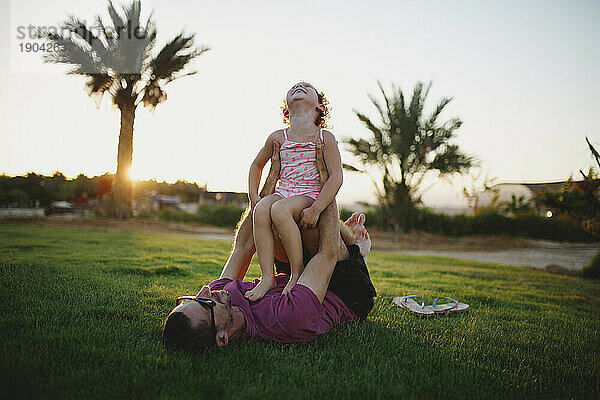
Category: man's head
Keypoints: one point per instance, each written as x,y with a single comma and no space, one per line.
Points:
190,325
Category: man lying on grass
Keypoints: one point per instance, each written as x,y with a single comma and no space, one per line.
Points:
334,288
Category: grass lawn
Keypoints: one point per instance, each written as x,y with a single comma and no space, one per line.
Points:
81,314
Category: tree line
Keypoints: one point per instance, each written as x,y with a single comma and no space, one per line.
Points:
35,189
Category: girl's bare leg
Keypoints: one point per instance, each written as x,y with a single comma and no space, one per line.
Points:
265,246
285,215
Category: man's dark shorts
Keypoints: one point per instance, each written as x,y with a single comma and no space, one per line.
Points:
350,281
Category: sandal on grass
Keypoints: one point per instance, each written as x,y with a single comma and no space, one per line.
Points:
408,303
453,307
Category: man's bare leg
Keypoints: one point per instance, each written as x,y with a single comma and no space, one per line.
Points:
310,237
243,249
243,239
317,274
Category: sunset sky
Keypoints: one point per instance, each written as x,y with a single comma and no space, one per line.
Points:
525,77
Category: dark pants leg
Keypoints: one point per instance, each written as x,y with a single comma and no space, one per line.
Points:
350,281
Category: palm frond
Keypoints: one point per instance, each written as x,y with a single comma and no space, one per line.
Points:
383,113
133,41
72,52
117,20
152,33
97,85
351,168
451,161
174,56
415,103
436,113
385,96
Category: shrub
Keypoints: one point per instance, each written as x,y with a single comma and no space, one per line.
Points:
490,221
592,270
170,214
226,215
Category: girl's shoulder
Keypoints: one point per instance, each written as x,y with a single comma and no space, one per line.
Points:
276,136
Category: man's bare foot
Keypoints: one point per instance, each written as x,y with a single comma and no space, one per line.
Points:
356,225
364,243
291,283
260,289
352,220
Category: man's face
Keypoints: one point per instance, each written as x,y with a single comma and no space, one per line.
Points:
197,312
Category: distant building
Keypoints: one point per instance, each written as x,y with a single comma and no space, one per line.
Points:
160,202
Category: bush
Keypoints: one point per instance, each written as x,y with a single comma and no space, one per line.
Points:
226,215
490,222
592,270
170,214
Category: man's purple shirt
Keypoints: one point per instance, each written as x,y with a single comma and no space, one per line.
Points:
298,316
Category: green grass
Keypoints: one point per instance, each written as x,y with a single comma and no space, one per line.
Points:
81,315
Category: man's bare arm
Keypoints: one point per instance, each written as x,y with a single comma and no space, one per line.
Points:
243,242
269,186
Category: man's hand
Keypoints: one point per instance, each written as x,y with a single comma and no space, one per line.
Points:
254,199
321,166
269,186
309,218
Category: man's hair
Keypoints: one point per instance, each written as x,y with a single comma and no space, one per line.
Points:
178,333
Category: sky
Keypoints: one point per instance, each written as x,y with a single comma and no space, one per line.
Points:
523,76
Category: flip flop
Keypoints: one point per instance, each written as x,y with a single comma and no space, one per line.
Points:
453,307
407,303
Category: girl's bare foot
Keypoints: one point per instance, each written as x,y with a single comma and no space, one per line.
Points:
260,289
291,283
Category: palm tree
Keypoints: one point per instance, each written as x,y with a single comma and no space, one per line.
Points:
120,61
406,145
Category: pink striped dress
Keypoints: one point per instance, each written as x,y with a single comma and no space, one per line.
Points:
299,174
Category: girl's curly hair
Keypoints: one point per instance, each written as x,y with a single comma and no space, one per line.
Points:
322,118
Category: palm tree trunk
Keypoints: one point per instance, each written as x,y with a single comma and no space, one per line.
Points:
122,187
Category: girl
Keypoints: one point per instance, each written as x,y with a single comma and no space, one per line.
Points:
298,195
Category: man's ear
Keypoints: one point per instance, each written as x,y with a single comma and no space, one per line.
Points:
222,338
